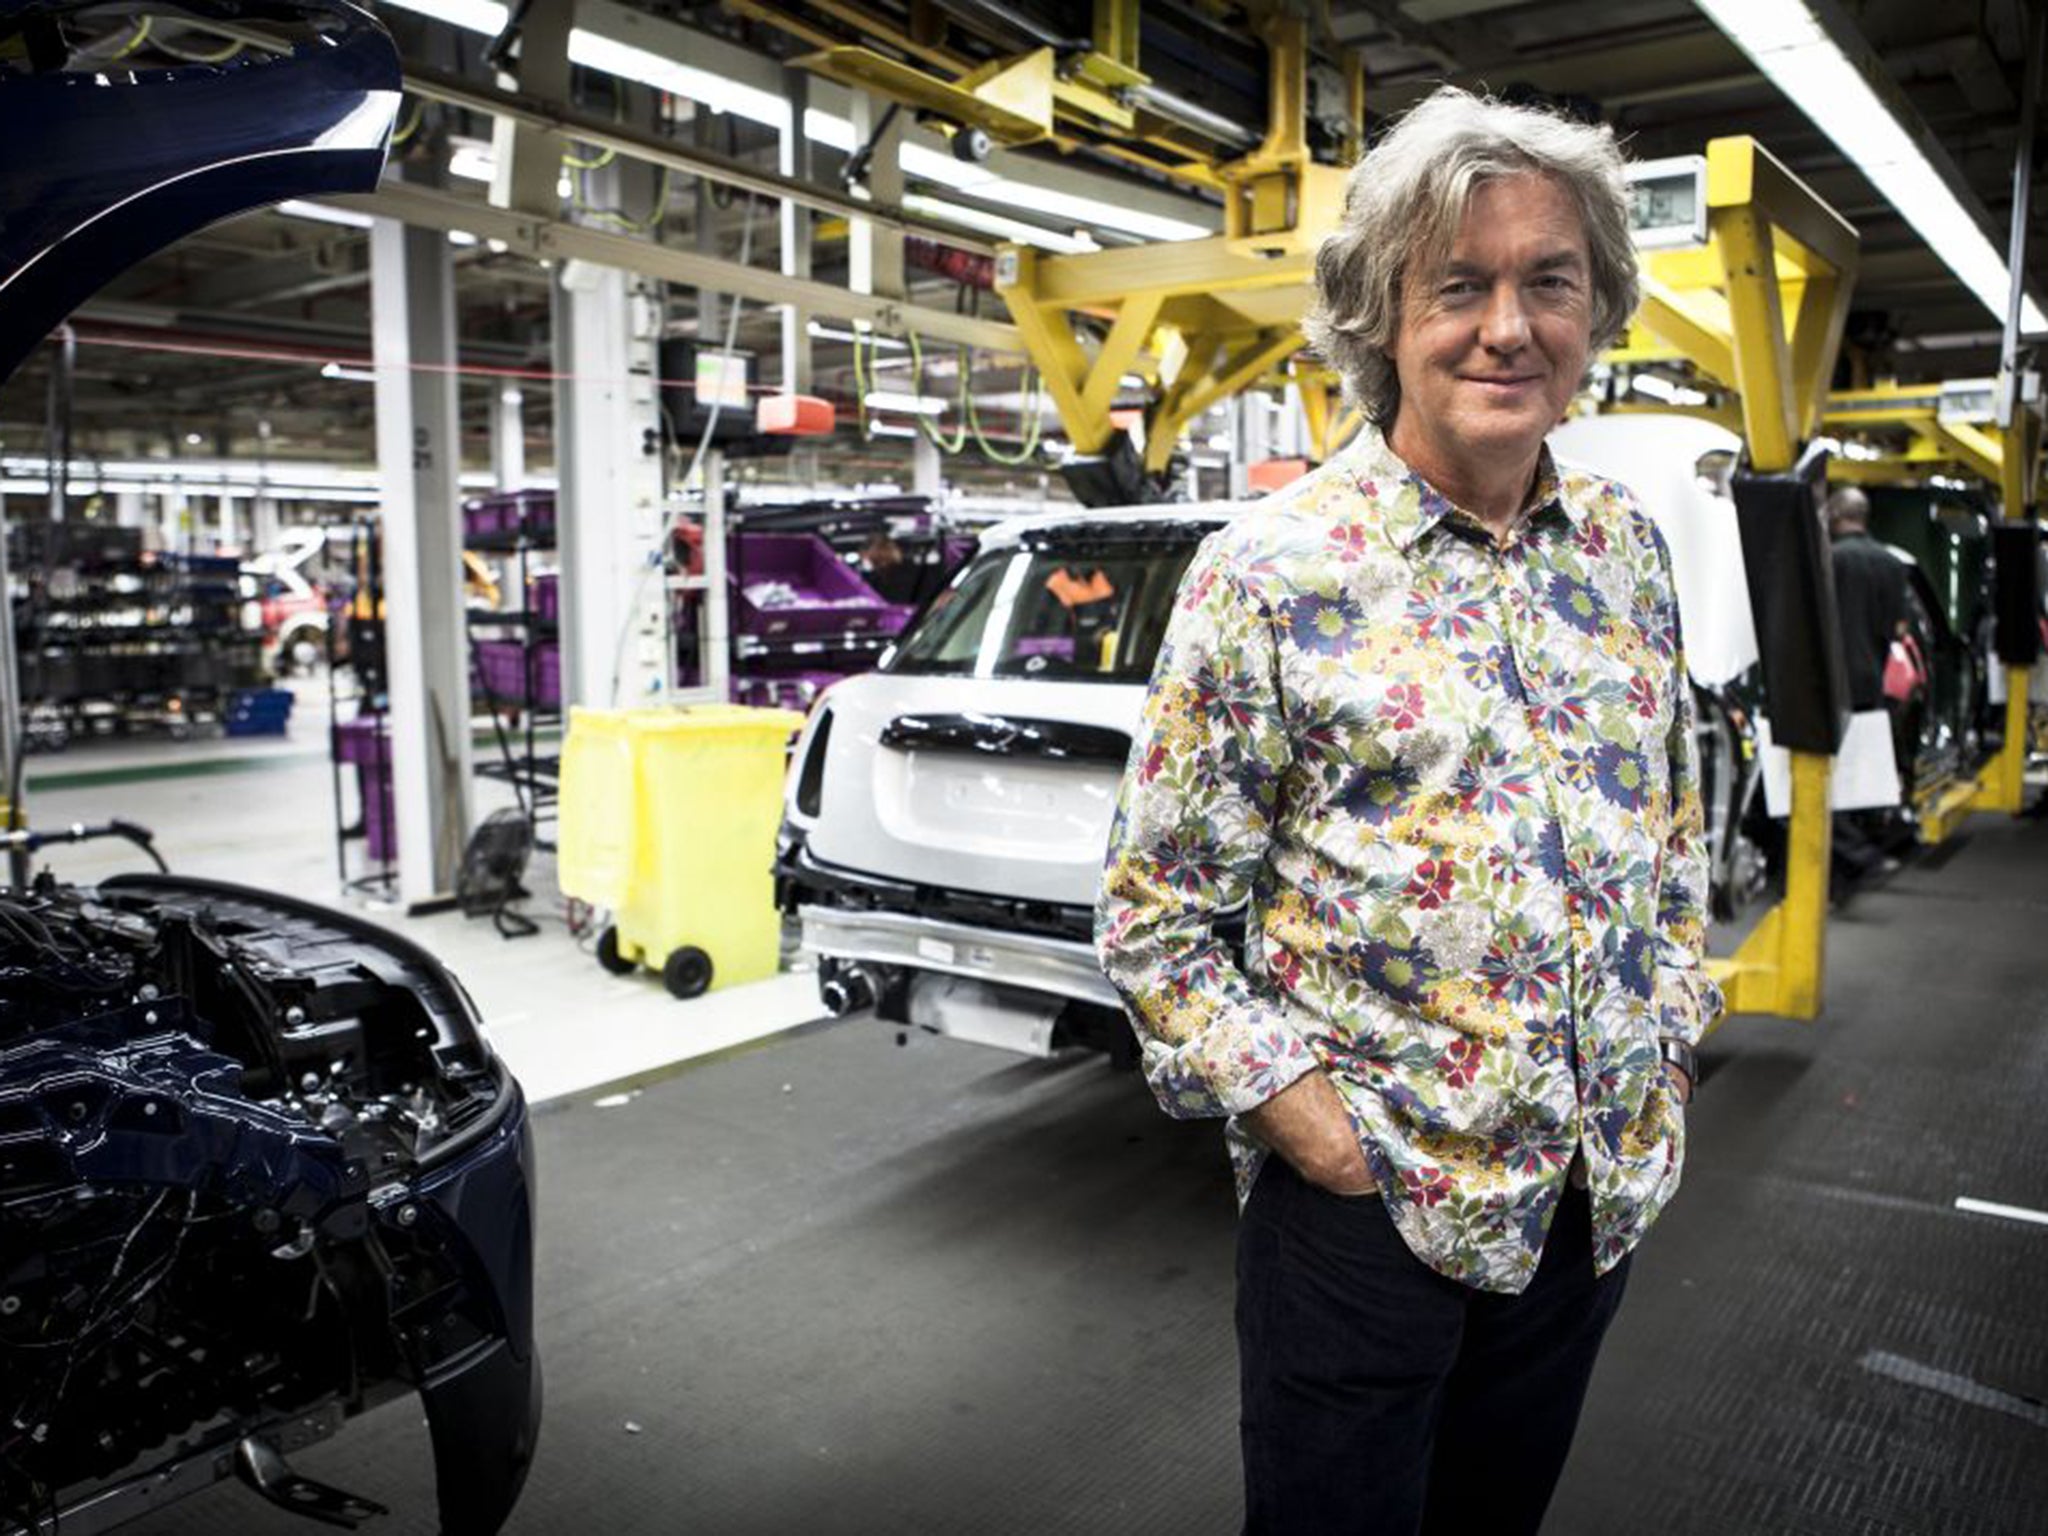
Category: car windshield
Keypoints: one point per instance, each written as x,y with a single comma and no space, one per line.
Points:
1080,611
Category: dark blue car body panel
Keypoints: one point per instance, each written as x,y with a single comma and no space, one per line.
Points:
103,166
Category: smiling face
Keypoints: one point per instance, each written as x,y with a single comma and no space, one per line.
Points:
1494,342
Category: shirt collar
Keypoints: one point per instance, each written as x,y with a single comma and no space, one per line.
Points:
1382,475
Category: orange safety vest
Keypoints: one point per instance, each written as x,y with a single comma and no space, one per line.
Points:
1073,591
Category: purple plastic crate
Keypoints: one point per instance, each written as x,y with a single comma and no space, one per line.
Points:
362,740
380,821
796,584
505,513
547,598
502,670
783,690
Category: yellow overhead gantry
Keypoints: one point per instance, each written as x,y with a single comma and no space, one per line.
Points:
1759,310
1211,316
1226,309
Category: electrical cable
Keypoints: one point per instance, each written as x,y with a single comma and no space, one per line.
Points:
659,564
141,36
200,58
932,434
1033,413
419,110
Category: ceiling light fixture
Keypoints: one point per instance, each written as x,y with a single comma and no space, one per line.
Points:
1657,387
1803,57
830,333
298,209
895,400
595,51
995,224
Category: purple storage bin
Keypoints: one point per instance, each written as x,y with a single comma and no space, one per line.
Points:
783,690
380,821
504,514
362,740
796,584
547,598
502,672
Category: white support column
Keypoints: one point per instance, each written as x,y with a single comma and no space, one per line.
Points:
609,508
716,627
412,302
508,438
926,475
793,158
175,529
875,256
130,511
263,521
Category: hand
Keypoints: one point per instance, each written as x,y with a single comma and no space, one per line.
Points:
1307,1124
1681,1085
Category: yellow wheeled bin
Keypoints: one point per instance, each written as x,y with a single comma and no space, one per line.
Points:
668,818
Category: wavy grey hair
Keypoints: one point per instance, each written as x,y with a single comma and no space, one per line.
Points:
1402,209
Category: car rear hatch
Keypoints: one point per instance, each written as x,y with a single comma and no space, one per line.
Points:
991,788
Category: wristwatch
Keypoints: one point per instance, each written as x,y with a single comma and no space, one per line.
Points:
1677,1053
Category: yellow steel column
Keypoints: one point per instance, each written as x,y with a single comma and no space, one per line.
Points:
1057,355
1779,969
2003,785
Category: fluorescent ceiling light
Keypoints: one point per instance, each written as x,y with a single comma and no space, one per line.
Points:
1659,388
461,237
1941,341
894,400
827,333
472,161
298,209
1796,53
1087,210
889,429
829,129
995,224
940,166
355,375
700,85
720,94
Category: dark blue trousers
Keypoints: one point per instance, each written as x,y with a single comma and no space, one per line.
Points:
1381,1399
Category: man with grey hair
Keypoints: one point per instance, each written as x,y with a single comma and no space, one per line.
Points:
1424,713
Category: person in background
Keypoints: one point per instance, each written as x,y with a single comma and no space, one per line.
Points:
1875,606
1425,712
884,568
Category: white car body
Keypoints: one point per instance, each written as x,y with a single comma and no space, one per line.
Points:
944,840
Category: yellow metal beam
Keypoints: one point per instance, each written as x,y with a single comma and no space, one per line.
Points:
1696,325
1011,99
1944,806
1101,279
1231,364
1120,349
1742,173
1763,361
1781,966
2003,785
1049,338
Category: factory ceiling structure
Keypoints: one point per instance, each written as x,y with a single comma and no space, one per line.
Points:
251,340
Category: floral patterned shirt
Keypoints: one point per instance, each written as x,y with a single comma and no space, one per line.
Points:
1455,787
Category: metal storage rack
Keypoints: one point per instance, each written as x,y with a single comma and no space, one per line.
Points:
515,653
114,640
